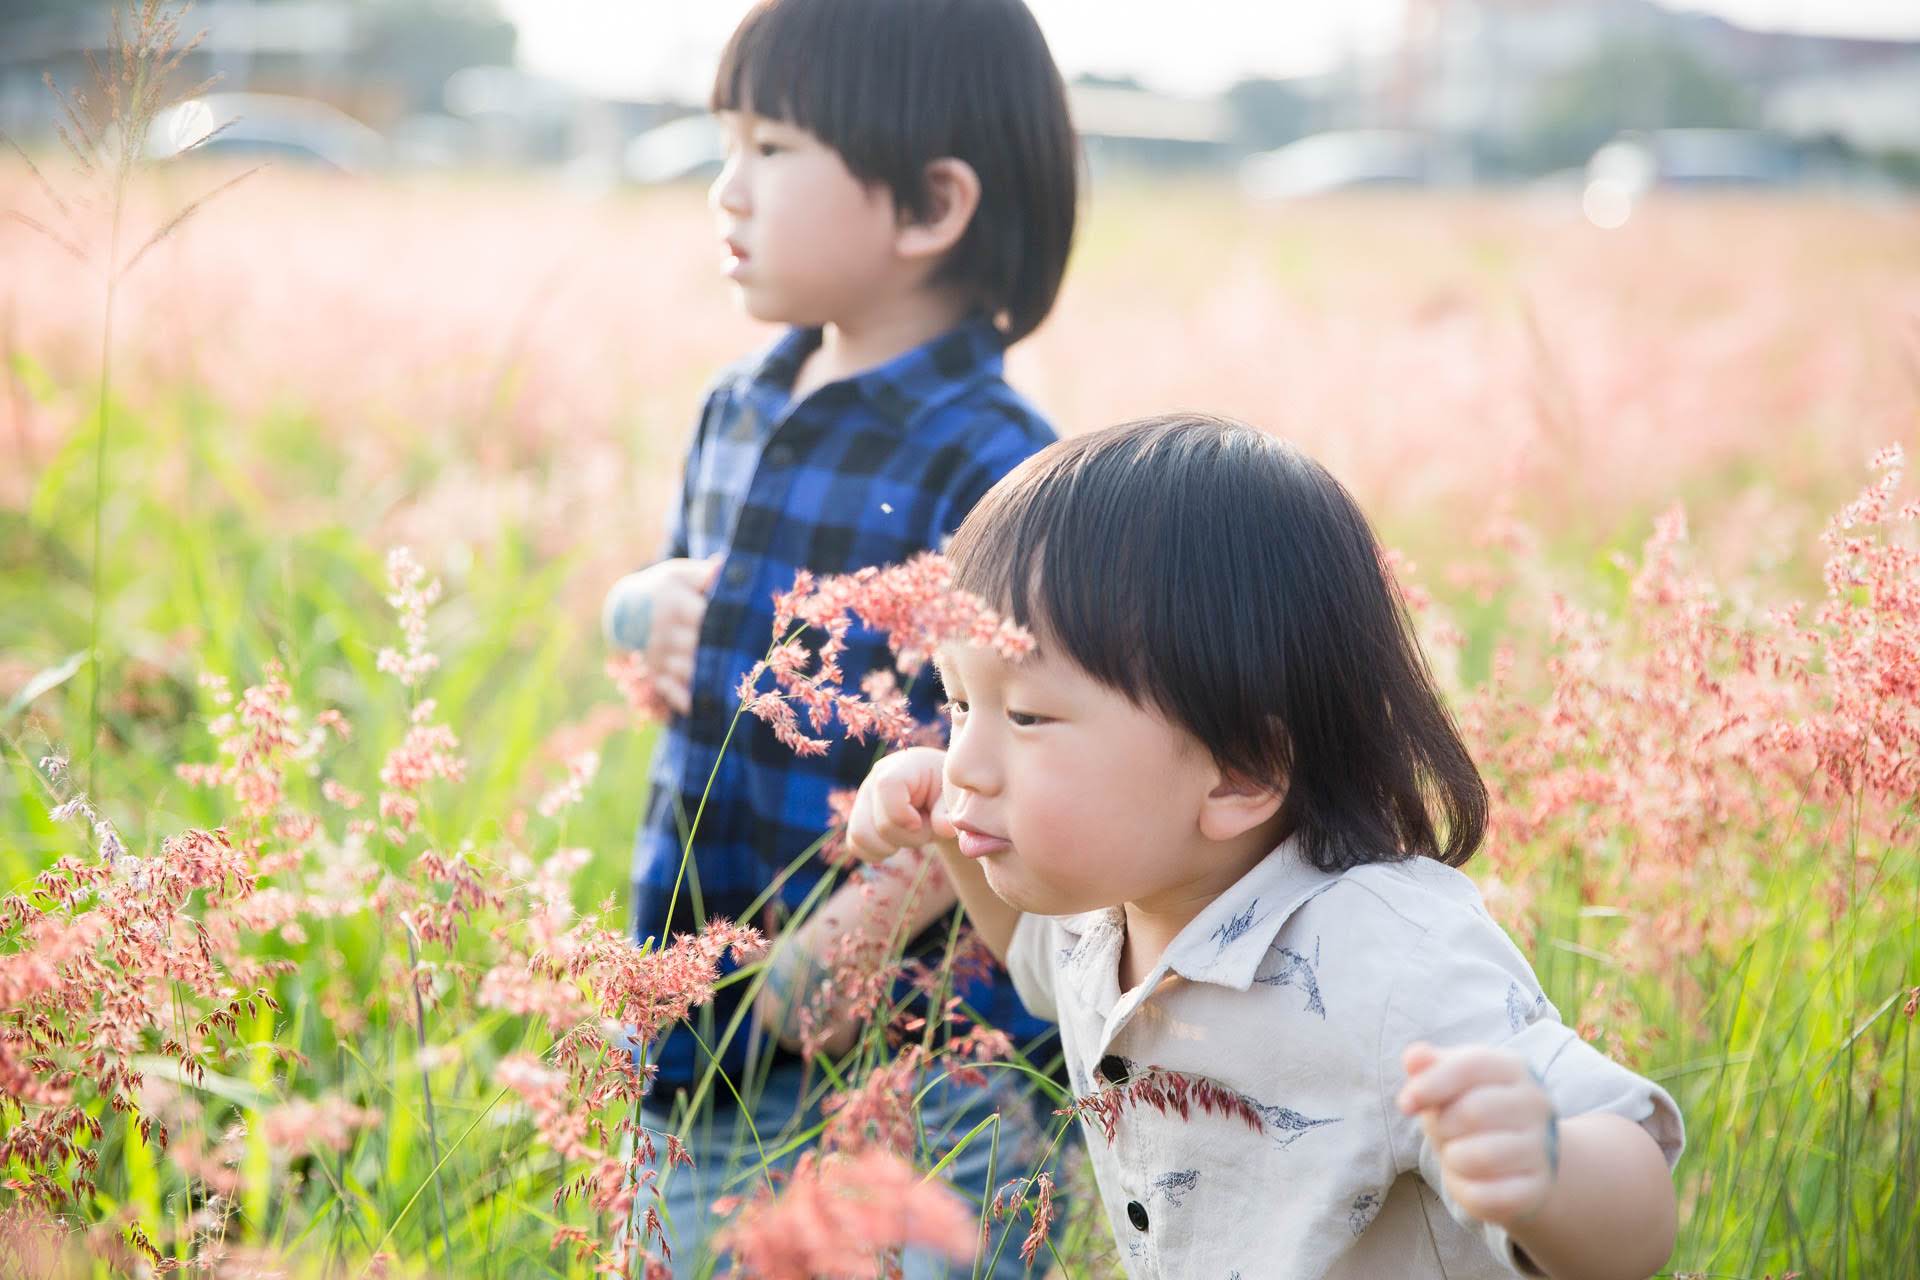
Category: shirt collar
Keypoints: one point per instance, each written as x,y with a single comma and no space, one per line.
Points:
906,388
1226,943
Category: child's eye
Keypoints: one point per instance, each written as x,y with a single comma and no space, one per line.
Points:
1024,719
767,149
954,707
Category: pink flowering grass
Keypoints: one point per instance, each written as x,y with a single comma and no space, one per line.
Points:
239,1024
325,971
131,982
917,608
837,1215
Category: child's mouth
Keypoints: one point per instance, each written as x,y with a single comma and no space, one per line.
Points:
976,845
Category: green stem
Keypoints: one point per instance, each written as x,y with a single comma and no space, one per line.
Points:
433,1176
100,498
426,1089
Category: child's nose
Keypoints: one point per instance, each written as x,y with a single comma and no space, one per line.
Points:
728,194
969,763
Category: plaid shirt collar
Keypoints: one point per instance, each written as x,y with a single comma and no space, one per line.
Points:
905,389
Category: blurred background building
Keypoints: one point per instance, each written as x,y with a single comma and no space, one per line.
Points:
1625,94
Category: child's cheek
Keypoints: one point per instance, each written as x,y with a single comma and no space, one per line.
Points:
1057,833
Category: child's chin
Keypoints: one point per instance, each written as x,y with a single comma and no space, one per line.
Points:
1022,897
766,309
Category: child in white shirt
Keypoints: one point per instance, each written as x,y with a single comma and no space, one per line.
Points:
1211,824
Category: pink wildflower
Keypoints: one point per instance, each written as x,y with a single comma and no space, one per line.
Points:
1013,1195
877,1112
917,608
648,990
256,744
412,596
845,1215
580,772
544,1090
328,1123
427,752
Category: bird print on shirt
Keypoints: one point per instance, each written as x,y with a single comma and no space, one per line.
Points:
1287,1125
1366,1207
1230,932
1520,1014
1295,970
1174,1186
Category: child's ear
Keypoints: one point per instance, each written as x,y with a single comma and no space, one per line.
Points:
1236,805
952,196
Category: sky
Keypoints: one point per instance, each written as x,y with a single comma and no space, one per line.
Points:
667,48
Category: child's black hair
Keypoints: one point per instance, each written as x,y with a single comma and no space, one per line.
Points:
1223,579
893,85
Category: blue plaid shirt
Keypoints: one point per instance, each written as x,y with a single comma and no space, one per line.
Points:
866,471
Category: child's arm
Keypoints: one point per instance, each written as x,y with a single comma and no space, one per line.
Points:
862,924
1586,1198
900,807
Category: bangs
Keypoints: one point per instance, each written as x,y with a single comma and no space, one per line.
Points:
1050,547
818,67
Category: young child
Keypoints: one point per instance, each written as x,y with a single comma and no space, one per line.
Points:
1211,824
900,188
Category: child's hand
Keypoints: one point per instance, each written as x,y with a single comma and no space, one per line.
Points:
1492,1125
900,805
657,613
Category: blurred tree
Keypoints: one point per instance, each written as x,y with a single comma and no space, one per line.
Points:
419,43
1628,86
408,45
1268,113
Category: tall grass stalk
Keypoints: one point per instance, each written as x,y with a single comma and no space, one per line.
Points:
107,140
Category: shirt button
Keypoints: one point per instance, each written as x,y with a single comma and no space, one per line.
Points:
737,574
780,455
1137,1215
1113,1069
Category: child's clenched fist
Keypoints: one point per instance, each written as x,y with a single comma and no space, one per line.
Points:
1492,1125
900,805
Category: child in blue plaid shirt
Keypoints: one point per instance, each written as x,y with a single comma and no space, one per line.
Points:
900,189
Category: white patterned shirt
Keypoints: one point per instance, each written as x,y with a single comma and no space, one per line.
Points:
1245,1124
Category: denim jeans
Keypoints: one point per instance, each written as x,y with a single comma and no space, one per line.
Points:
727,1161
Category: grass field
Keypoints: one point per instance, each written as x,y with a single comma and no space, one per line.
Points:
1705,801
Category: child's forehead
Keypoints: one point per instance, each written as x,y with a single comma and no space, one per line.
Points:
983,660
745,117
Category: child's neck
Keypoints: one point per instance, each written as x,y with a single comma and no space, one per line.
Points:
1149,934
1153,923
882,331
